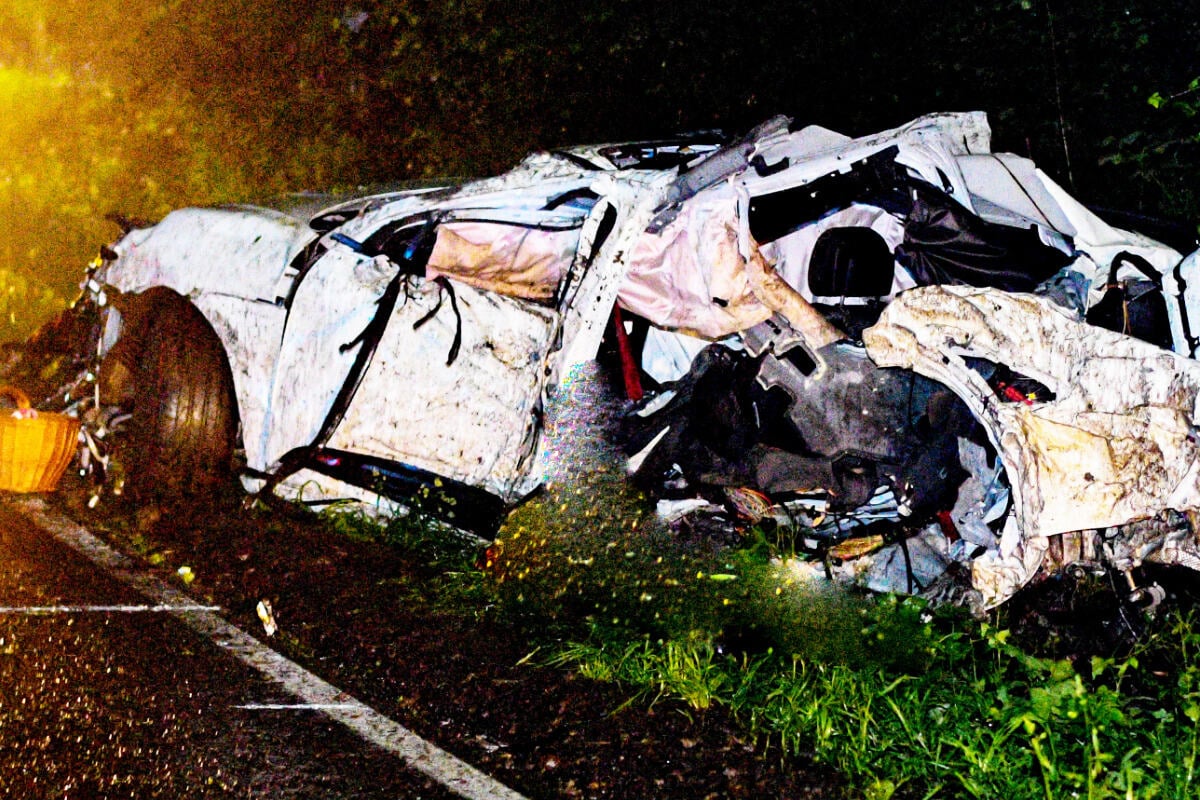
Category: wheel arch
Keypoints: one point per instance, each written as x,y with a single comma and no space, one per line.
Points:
137,313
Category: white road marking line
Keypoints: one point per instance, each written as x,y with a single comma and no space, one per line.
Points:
369,724
135,609
293,706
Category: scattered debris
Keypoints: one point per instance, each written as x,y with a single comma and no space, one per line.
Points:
266,614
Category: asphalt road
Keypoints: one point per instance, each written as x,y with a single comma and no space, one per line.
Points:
102,694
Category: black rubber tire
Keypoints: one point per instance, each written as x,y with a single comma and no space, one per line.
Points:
184,427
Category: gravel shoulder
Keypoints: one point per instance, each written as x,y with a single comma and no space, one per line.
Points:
374,621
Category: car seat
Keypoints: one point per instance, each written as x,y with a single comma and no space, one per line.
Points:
850,274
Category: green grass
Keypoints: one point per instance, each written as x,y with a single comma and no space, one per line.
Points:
982,719
904,701
451,578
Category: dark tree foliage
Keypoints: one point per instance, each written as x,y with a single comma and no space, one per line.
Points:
142,105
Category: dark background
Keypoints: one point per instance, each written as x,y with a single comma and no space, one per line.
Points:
139,106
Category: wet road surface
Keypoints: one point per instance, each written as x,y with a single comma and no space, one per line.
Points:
102,695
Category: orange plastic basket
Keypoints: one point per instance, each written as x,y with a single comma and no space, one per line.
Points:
35,447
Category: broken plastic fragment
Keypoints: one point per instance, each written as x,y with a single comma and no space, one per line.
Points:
267,615
853,548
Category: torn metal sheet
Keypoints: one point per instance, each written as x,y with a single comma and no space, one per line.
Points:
909,567
1117,441
1116,444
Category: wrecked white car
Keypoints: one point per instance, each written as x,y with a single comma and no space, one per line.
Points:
903,345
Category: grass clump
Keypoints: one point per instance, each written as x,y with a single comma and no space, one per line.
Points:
449,560
981,718
904,700
686,669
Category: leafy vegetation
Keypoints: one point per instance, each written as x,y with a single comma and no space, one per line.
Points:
982,718
143,106
905,700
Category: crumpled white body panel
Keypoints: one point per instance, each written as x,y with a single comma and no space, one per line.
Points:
243,326
474,420
1117,444
238,251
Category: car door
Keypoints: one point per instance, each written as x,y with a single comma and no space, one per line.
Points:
333,305
456,384
451,382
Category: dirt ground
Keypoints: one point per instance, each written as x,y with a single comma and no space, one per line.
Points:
362,615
